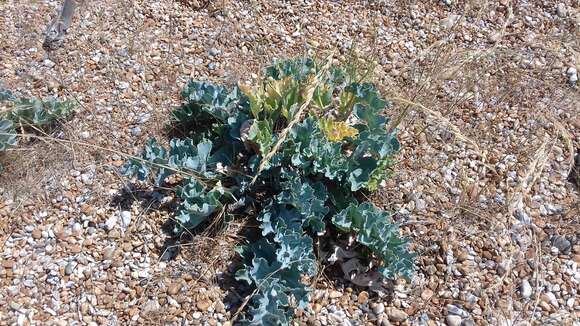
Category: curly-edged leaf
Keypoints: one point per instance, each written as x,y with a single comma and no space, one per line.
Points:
183,155
279,287
299,69
261,134
375,230
286,226
153,156
308,199
206,104
39,112
6,94
313,153
336,131
197,204
7,135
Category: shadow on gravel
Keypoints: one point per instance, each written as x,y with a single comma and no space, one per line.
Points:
574,176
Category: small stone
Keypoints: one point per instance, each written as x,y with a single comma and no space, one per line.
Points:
174,288
136,131
77,228
151,306
453,320
396,315
108,253
526,289
522,216
561,243
48,63
143,118
335,294
213,52
37,234
7,263
363,297
123,85
125,218
420,204
196,315
455,310
219,306
378,308
203,305
111,222
550,298
561,10
572,75
468,322
570,303
427,294
68,269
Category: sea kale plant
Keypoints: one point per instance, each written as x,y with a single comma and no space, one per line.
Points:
27,113
300,147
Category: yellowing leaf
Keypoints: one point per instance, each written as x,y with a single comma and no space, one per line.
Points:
255,96
346,102
337,130
277,89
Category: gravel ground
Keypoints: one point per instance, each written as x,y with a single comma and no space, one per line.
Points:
487,96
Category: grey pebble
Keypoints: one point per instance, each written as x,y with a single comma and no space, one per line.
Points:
68,269
453,320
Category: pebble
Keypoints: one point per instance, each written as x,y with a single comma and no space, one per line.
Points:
203,305
37,234
562,244
363,297
455,310
214,52
396,315
136,131
125,218
335,294
526,289
550,298
453,320
378,308
561,10
427,294
111,222
77,228
48,63
572,75
151,306
68,270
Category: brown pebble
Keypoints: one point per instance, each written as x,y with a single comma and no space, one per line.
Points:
363,297
7,263
203,305
174,288
36,234
427,294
